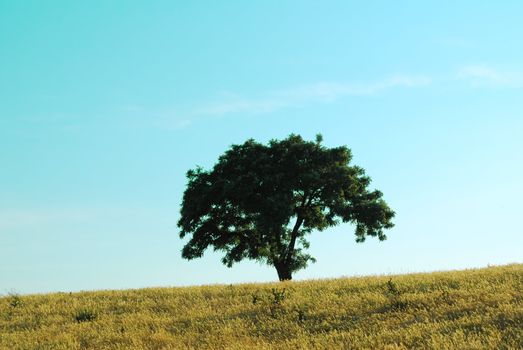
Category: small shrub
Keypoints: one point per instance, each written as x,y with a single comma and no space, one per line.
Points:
14,300
301,313
276,306
278,296
395,297
255,299
85,315
392,288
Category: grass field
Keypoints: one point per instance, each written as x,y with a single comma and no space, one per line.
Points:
472,309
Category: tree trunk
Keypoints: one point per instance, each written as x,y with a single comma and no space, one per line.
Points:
284,272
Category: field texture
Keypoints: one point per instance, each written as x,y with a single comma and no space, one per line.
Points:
473,309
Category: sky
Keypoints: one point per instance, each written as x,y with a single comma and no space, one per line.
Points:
104,106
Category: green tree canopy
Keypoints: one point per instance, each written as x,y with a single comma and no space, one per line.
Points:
261,202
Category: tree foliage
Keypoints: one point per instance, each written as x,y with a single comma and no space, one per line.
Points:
261,202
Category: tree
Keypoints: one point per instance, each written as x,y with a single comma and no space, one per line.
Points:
261,202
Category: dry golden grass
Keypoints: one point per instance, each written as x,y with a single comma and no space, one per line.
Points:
472,309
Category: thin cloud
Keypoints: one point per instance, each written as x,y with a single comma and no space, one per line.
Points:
31,218
171,123
238,104
456,42
135,116
321,92
483,75
38,218
477,75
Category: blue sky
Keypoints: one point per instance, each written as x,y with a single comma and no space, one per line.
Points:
105,105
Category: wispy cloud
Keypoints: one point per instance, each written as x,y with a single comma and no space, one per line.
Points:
36,218
484,75
136,116
11,219
478,75
320,92
169,122
456,42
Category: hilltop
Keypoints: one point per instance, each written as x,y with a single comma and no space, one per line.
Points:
471,309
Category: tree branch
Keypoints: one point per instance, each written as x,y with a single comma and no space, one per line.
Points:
296,228
294,236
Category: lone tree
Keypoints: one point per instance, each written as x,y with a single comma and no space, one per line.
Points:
261,201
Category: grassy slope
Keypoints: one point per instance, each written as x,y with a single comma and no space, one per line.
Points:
470,309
